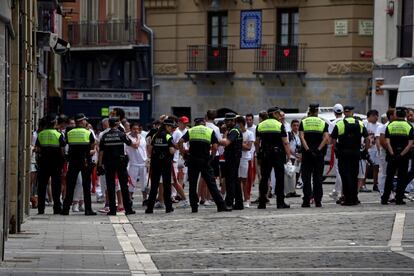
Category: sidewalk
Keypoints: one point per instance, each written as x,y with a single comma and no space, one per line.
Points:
65,245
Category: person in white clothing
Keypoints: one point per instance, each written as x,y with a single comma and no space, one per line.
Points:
337,190
251,173
248,140
177,181
372,124
137,169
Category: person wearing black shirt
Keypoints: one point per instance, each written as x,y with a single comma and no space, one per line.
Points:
232,153
199,159
50,151
161,153
112,157
81,143
313,132
273,145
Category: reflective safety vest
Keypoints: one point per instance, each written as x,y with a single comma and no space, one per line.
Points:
313,124
49,138
79,136
348,121
399,128
270,126
200,133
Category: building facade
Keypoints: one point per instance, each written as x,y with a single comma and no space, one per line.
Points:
110,60
247,55
393,50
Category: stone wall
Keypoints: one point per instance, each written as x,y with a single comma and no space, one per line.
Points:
248,95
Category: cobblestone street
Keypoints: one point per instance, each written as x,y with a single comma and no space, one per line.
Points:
369,239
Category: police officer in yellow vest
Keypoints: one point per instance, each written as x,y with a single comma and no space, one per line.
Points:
349,132
199,159
50,150
273,145
313,132
81,142
399,139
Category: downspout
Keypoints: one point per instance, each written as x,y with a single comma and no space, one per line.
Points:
150,33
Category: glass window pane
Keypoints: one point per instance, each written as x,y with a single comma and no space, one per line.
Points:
285,18
284,29
284,40
214,41
295,17
224,31
224,40
214,21
214,31
295,29
224,20
295,40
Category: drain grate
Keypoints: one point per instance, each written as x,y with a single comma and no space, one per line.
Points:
80,247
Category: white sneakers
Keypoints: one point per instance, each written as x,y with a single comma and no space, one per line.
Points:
183,204
75,207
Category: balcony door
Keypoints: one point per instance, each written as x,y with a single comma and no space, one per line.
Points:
287,40
89,21
217,41
406,29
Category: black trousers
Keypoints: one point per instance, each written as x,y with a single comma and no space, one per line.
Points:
120,169
348,166
160,168
47,171
234,193
392,167
268,163
195,167
312,169
71,177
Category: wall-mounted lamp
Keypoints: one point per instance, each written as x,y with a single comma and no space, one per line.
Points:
390,8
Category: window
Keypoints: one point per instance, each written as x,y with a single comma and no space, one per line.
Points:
406,29
217,41
287,26
121,10
217,25
89,10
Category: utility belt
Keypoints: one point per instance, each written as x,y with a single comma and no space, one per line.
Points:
270,151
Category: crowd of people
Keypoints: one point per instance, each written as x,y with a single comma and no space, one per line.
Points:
220,160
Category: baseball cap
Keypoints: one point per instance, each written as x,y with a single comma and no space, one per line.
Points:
168,122
230,116
184,119
348,108
338,108
313,106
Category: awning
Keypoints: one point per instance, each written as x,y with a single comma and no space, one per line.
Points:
389,87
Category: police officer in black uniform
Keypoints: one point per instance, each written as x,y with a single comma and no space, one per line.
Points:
199,159
273,145
349,132
81,142
399,138
232,153
162,150
313,132
50,152
112,157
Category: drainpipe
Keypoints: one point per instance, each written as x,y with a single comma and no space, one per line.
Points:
150,33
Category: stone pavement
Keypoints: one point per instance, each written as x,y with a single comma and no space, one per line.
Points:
369,239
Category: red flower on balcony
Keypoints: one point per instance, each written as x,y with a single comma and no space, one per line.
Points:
263,53
286,52
194,53
216,53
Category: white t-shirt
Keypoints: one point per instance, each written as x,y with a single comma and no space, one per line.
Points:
372,130
176,136
287,126
294,144
253,130
248,136
216,131
137,156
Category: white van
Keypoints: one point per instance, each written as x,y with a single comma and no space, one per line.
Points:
405,96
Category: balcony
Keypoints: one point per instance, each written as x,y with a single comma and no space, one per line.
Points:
210,61
279,60
106,33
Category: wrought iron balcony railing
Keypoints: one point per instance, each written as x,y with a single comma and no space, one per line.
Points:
209,58
113,32
279,58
